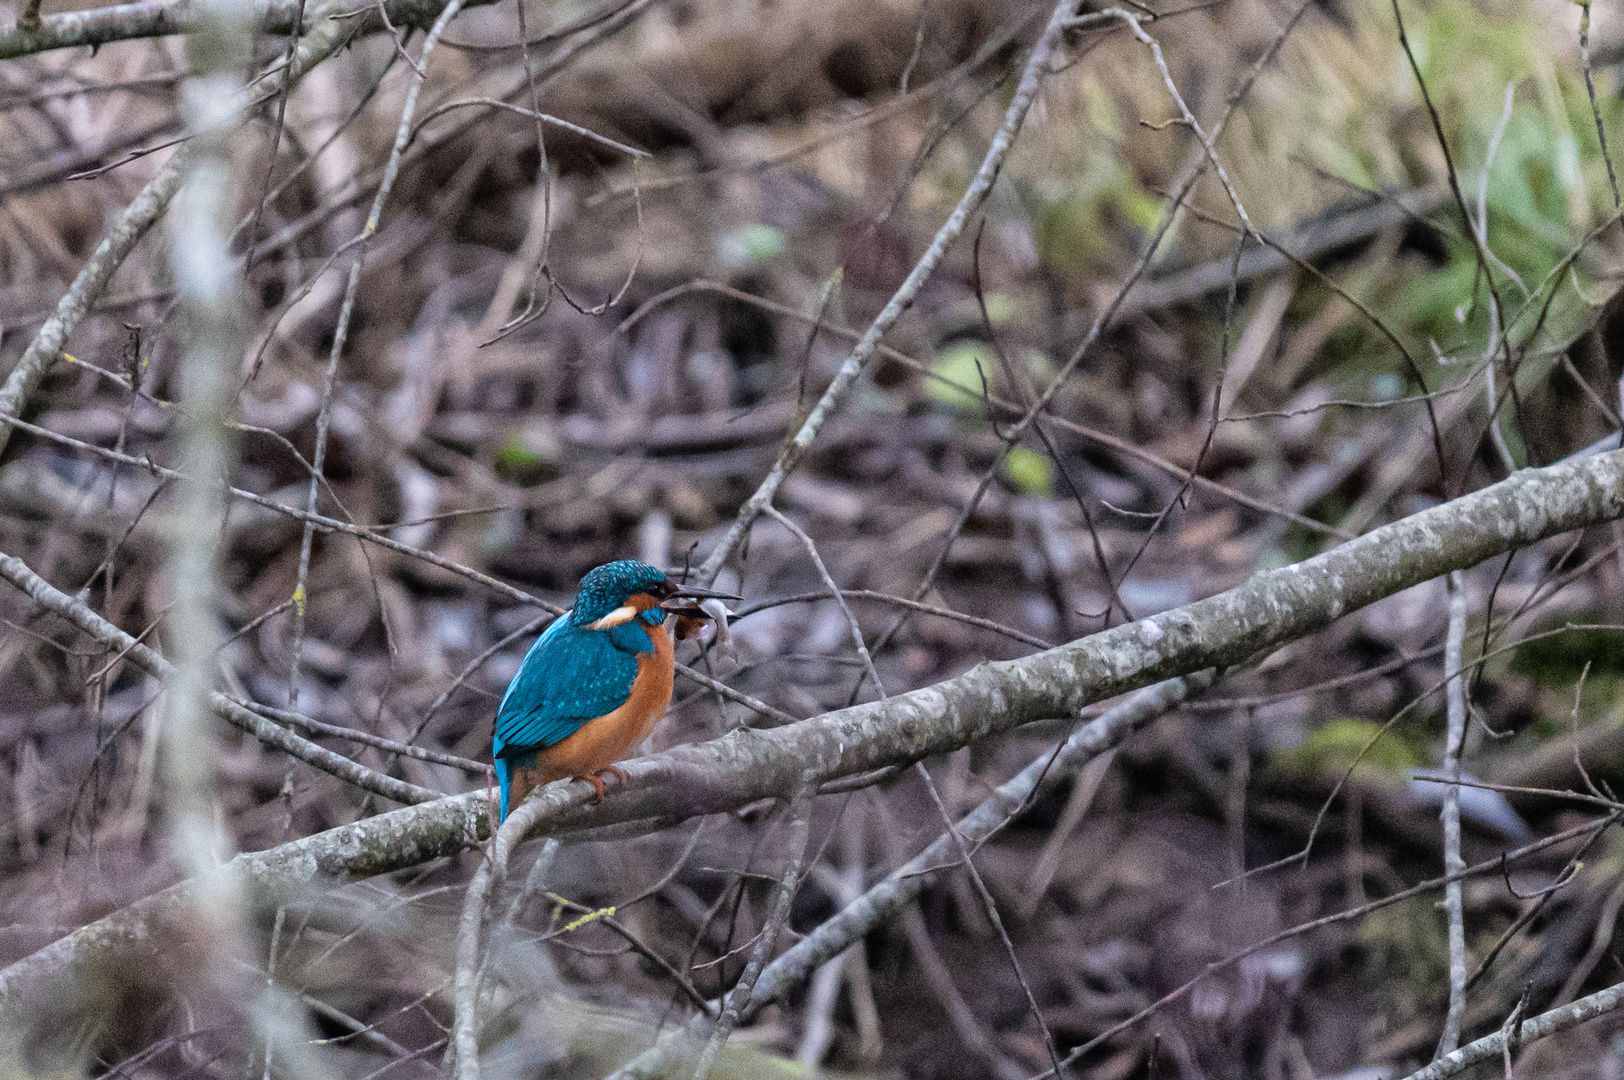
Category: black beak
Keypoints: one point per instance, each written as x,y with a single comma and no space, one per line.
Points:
704,594
674,593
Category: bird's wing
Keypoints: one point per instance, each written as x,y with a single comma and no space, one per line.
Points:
569,676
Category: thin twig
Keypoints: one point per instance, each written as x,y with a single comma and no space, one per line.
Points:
800,810
341,336
77,612
1590,91
1540,1027
991,908
275,144
532,114
760,708
318,727
897,601
834,590
974,195
1480,245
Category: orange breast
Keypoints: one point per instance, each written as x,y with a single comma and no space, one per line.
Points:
602,742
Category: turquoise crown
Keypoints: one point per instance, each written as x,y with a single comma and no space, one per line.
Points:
607,587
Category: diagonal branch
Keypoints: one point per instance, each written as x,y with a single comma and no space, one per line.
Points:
902,886
238,715
1037,65
720,775
126,231
1542,1026
132,223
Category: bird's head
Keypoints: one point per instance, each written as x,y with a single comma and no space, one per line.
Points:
616,592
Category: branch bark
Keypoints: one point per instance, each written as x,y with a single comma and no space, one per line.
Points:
722,774
1540,1027
1454,904
158,18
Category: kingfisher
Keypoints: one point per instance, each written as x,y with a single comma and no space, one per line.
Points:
595,681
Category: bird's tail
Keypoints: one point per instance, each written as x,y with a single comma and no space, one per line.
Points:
504,780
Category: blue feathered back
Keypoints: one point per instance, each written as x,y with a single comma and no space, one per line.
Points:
573,673
569,676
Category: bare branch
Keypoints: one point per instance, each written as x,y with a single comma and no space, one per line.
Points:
747,765
1454,906
160,18
77,612
980,187
1540,1027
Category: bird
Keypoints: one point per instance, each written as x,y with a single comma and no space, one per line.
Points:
594,683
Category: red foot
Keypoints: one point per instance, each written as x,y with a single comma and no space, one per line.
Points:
597,781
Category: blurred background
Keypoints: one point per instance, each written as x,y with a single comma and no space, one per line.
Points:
589,340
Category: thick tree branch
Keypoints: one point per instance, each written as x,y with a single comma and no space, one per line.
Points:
157,18
722,774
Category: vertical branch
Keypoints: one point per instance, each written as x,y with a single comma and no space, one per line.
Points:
464,1038
210,308
275,141
800,809
1453,863
342,331
1590,89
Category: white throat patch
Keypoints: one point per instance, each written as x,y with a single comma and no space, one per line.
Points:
615,618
